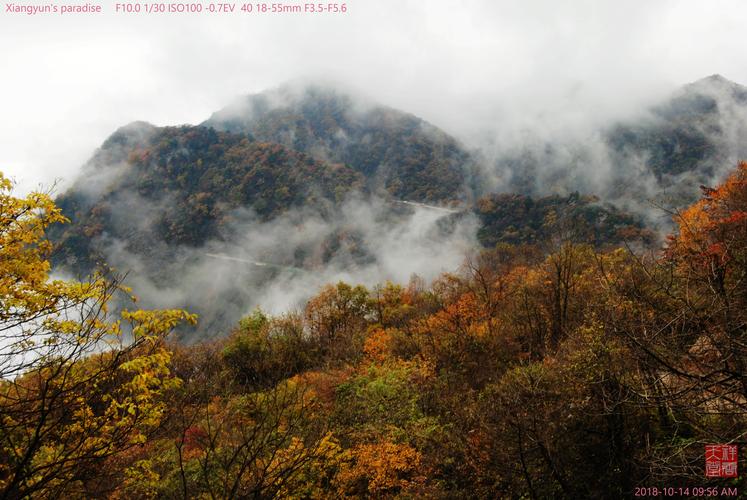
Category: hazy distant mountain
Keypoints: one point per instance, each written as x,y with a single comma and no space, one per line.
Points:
182,185
286,190
691,139
667,152
406,156
267,206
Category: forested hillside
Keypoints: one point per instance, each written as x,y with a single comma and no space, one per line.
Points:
662,153
403,155
179,185
285,190
342,301
521,219
560,372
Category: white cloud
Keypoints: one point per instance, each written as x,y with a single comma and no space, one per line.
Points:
67,83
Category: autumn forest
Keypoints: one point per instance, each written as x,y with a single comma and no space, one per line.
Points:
577,350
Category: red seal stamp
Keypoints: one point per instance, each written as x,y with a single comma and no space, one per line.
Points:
721,460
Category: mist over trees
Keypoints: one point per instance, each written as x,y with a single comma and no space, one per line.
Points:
306,184
311,295
534,371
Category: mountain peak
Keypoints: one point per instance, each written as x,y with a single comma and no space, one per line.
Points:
716,84
704,97
716,78
132,133
394,150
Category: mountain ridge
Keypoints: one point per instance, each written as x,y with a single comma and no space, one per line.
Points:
399,152
307,182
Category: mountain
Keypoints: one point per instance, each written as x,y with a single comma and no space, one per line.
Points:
519,219
182,185
288,148
691,139
284,191
396,152
665,153
226,215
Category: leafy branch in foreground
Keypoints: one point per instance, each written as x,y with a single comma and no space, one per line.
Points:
76,386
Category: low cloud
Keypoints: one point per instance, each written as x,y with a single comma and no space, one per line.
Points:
279,264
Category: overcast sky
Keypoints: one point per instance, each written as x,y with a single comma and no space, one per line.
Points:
67,83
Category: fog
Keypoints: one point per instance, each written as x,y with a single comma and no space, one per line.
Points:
279,264
483,70
532,88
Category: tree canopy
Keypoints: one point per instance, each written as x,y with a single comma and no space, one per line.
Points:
560,371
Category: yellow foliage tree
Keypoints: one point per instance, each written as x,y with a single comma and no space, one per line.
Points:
384,468
76,387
